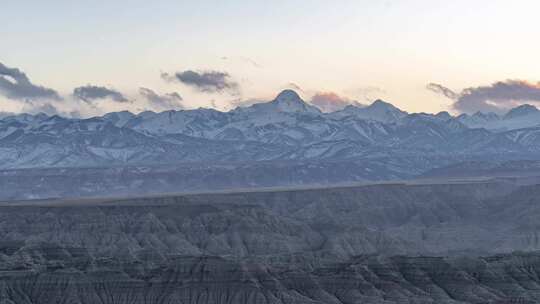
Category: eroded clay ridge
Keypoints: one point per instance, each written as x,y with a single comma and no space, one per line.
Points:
388,243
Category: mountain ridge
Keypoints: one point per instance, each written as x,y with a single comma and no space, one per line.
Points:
286,128
288,101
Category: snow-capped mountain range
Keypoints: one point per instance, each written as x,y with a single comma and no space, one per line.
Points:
284,129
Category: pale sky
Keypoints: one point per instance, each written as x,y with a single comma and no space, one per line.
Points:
360,50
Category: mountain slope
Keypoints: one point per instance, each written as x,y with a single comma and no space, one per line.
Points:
379,111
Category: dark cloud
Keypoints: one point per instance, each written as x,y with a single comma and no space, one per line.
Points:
205,81
167,101
330,101
440,89
90,93
14,84
498,97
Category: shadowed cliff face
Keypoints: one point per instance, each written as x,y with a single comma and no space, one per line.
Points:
305,246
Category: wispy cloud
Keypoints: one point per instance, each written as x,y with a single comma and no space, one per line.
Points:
46,108
205,81
164,102
330,101
14,84
244,60
497,97
440,89
89,93
245,102
366,93
293,86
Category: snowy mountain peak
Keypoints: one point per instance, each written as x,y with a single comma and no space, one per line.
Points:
384,111
522,110
382,103
286,102
289,95
289,101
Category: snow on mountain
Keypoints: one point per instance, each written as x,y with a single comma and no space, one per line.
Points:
528,137
59,141
425,131
288,101
379,110
210,123
523,116
479,119
521,111
119,119
26,118
190,122
285,128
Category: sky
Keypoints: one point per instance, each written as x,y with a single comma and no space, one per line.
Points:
90,57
